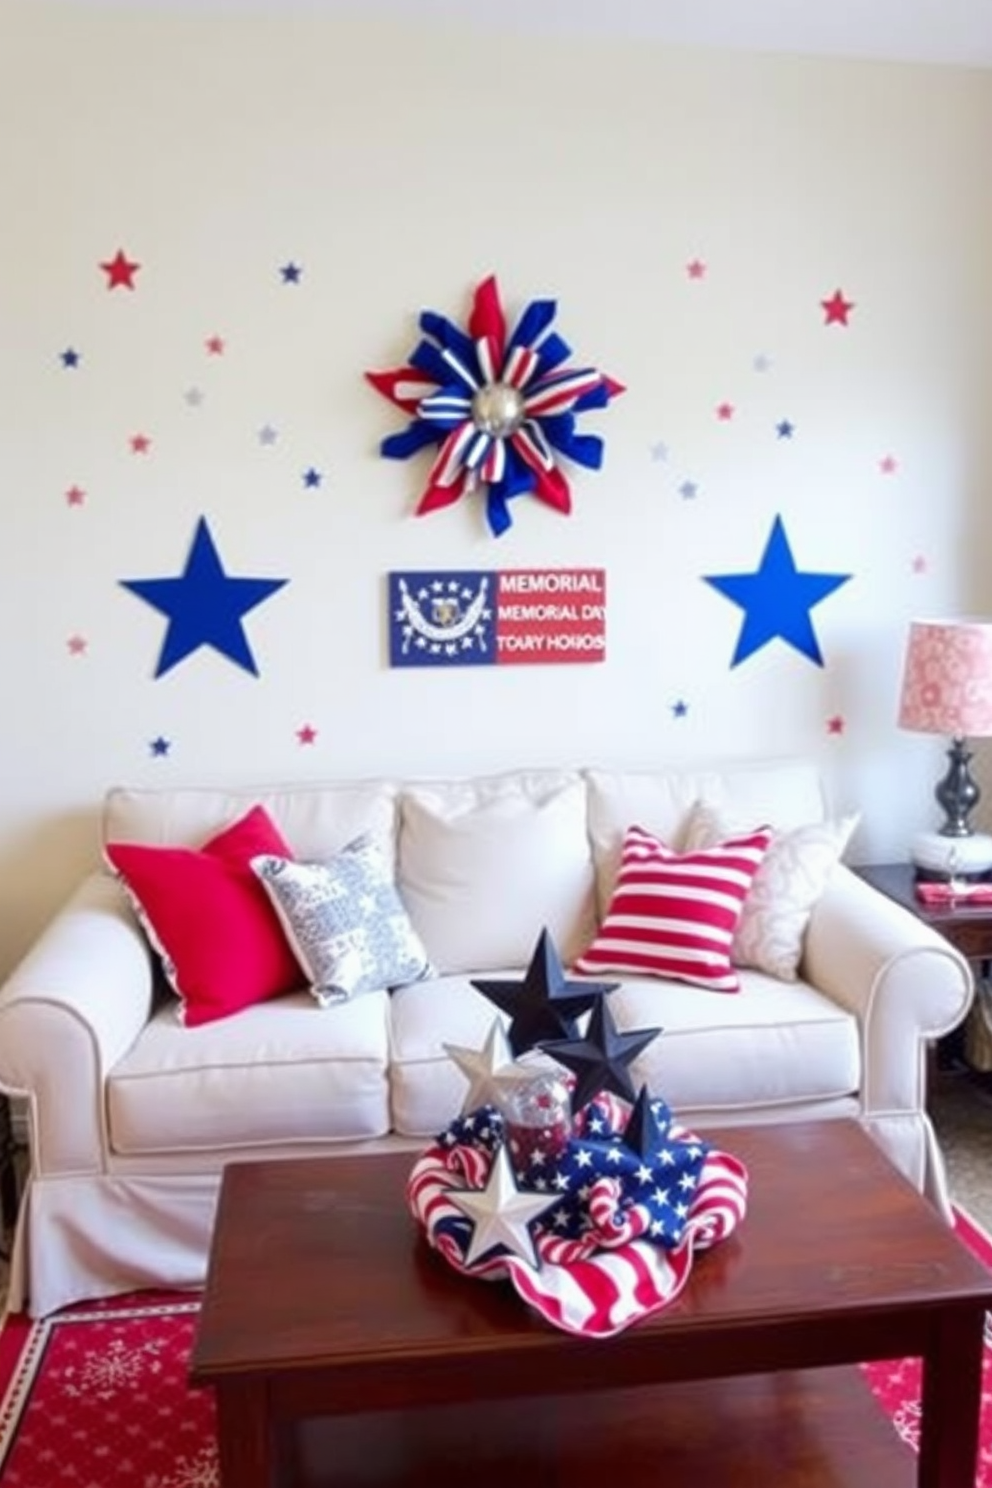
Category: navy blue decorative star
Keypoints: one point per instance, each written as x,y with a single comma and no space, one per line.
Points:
776,599
680,708
291,273
599,1061
70,357
784,429
312,478
545,1004
204,606
658,1175
647,1126
159,747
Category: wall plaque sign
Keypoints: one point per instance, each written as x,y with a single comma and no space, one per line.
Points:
497,617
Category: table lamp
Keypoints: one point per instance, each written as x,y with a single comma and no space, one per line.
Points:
947,689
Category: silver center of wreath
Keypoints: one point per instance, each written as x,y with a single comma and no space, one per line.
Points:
498,409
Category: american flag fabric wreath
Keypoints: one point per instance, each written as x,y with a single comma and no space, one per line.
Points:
502,406
592,1201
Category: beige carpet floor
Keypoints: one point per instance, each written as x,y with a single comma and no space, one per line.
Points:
961,1110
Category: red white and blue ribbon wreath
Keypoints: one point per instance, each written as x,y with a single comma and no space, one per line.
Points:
619,1243
501,407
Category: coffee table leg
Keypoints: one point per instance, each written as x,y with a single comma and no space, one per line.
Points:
951,1401
244,1434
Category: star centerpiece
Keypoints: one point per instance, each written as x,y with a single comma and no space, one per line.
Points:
501,1213
601,1060
545,1005
491,1071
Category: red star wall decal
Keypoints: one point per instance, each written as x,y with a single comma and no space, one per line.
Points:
307,734
120,271
215,345
837,309
835,725
725,412
140,444
76,645
75,496
888,465
696,269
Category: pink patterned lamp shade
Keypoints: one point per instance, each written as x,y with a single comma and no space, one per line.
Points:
947,678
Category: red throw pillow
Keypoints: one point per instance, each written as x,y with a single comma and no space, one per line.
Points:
209,917
673,916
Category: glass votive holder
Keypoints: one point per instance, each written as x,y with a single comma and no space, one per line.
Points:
537,1121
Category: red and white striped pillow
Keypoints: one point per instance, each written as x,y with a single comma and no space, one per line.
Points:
675,916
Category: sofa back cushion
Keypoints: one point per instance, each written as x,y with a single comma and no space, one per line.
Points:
781,793
485,864
316,819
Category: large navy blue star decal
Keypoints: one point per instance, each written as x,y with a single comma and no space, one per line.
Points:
776,599
204,606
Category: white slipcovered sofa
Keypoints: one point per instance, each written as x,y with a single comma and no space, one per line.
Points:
132,1115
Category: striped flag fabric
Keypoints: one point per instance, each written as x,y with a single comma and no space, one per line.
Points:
621,1244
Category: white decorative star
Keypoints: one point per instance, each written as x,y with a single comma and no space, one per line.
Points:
501,1213
490,1071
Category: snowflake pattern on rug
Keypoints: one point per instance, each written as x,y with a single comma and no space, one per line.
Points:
897,1385
101,1395
109,1403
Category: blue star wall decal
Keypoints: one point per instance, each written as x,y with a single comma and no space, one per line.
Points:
204,606
776,599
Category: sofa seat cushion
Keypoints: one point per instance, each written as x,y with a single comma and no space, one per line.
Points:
773,1045
426,1087
277,1072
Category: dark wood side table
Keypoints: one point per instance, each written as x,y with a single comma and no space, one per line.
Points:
968,927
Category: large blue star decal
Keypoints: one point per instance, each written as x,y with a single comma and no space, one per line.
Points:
776,599
204,606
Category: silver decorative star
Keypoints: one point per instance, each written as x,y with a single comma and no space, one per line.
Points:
501,1214
491,1071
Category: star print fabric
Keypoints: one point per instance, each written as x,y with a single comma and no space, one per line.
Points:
609,1193
640,1197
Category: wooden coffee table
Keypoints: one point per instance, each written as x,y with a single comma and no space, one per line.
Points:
341,1348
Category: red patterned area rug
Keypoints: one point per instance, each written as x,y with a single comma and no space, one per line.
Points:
97,1397
896,1386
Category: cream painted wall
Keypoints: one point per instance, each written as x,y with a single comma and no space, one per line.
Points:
398,167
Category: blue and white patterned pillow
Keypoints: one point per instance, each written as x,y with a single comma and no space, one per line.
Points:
345,921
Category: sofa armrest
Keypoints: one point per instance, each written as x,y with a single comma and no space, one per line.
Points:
68,1012
905,983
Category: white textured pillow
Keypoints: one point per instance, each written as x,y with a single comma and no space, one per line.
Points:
791,878
485,864
345,921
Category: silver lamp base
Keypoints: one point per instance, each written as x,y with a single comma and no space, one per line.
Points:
952,857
